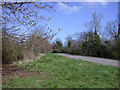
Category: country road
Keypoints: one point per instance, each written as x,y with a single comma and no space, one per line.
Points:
93,59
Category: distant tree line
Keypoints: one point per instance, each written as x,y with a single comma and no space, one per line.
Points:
97,41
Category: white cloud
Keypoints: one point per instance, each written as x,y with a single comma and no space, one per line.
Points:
67,9
95,3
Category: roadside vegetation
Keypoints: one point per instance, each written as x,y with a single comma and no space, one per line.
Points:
55,71
97,40
25,35
22,35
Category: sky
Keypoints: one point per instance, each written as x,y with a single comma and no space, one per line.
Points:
71,18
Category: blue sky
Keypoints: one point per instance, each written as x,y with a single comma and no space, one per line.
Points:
71,18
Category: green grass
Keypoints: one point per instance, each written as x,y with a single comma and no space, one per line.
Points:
63,72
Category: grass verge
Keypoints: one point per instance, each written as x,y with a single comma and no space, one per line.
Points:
62,72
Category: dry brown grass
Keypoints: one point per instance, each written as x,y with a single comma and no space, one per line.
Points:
29,57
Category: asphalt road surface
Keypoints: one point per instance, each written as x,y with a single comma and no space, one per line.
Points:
102,61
